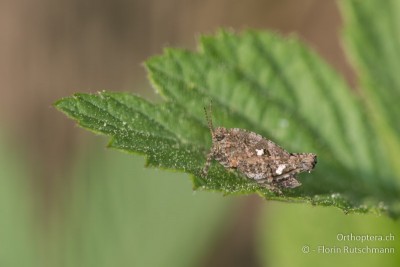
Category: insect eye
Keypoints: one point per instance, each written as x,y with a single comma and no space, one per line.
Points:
219,137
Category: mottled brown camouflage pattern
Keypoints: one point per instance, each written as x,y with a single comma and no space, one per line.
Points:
257,158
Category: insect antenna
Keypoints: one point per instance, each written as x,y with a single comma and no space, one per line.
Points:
209,119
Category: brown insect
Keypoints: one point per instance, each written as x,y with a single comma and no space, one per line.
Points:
256,157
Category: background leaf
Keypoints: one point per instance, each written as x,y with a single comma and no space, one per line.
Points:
261,82
324,230
20,242
119,214
372,38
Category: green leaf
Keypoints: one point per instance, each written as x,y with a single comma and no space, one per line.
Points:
261,82
20,243
338,233
119,214
372,38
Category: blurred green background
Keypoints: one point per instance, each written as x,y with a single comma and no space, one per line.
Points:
65,200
